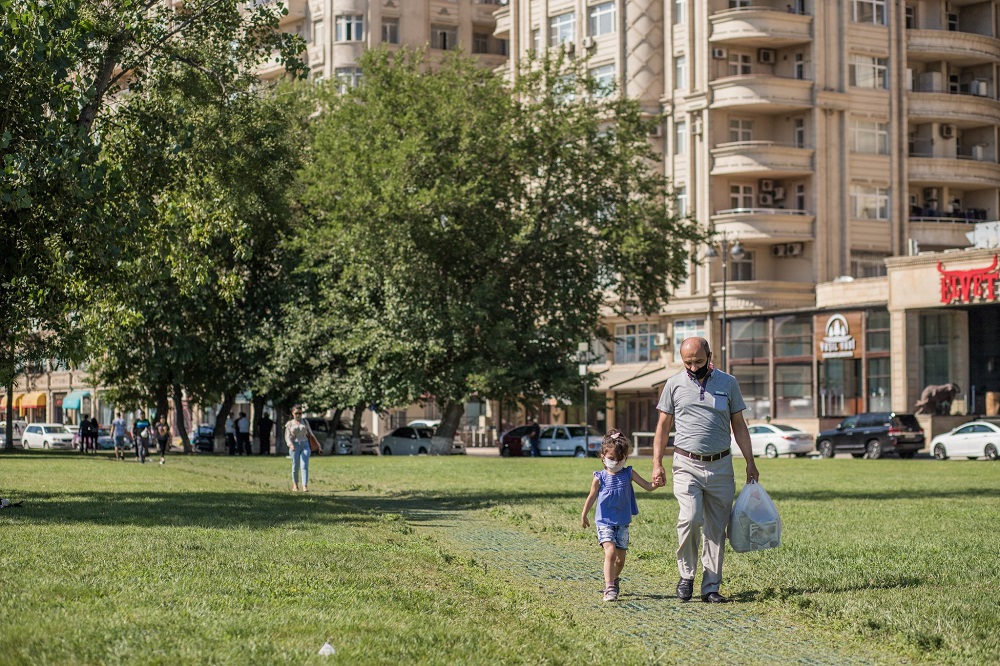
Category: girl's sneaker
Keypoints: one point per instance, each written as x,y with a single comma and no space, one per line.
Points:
610,593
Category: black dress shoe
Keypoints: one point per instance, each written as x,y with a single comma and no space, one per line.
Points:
714,598
685,588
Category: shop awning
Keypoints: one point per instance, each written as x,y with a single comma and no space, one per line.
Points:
617,375
651,381
32,400
74,399
3,401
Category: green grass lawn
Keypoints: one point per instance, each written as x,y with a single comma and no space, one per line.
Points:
210,560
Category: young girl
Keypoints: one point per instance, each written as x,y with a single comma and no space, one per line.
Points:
612,488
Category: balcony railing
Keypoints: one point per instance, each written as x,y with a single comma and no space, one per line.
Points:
763,211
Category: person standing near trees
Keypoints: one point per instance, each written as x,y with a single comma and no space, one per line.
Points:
265,426
141,435
230,434
297,435
243,435
535,439
119,431
706,405
162,429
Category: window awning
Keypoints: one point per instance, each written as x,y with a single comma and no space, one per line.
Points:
616,375
3,401
74,399
32,400
651,381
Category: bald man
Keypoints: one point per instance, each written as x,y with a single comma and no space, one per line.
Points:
704,405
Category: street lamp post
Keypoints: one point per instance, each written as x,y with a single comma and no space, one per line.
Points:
736,251
583,355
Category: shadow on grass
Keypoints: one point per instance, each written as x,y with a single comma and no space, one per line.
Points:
783,593
909,493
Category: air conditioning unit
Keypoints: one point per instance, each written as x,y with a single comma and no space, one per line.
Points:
778,250
766,199
766,185
767,56
779,194
794,249
569,47
947,131
719,54
588,43
979,152
930,194
980,88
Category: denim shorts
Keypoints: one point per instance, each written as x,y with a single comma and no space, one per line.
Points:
616,534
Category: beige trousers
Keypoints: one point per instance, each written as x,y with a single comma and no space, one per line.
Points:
705,493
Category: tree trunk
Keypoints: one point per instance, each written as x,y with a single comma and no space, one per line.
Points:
228,398
451,417
180,423
161,396
257,403
8,437
359,411
336,417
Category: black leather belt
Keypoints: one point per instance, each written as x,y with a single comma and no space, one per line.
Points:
697,456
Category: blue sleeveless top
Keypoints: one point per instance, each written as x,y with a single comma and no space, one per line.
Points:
616,500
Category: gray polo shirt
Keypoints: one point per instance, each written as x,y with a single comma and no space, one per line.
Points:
702,419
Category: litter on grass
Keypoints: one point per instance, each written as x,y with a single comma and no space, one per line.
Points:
327,650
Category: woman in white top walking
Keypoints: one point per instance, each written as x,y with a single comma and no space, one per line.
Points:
297,434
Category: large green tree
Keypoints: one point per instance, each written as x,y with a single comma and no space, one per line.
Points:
467,234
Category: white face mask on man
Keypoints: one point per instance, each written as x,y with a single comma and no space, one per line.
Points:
612,465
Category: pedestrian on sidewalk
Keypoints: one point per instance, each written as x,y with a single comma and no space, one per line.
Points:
119,431
615,497
297,436
141,435
705,405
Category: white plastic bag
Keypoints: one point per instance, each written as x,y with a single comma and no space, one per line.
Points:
754,523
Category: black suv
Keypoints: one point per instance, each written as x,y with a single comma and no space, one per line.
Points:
873,435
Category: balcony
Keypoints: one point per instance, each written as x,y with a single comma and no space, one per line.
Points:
761,158
957,48
485,11
502,16
765,294
773,225
953,172
271,69
960,109
761,93
760,27
941,231
296,9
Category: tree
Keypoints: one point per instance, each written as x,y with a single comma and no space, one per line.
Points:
468,234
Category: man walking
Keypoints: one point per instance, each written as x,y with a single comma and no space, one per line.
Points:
535,439
243,435
118,432
705,405
141,435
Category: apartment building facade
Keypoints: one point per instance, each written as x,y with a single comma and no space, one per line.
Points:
819,140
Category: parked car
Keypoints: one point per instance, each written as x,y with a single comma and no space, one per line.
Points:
18,430
971,440
105,442
343,441
408,441
47,436
203,438
425,423
873,435
774,439
570,440
509,442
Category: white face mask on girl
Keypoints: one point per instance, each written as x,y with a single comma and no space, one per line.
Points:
613,466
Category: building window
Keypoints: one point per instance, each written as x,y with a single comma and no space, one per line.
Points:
536,39
879,385
870,137
562,28
604,77
868,11
390,31
877,330
749,339
684,329
680,137
740,129
869,72
480,42
347,78
793,336
680,73
868,264
319,36
799,132
679,11
934,334
793,390
754,386
741,197
681,197
740,4
869,203
444,37
350,28
636,343
602,19
741,268
952,22
799,67
503,47
740,64
910,17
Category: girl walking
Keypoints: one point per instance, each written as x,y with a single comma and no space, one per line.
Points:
297,435
615,497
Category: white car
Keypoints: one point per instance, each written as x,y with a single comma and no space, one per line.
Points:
47,436
773,439
971,440
570,440
18,430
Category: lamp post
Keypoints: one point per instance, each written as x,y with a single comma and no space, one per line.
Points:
736,251
583,356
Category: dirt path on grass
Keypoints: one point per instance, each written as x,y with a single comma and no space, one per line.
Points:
571,579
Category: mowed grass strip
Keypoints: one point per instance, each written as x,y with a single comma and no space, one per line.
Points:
211,560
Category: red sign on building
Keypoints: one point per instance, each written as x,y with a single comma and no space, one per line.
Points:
969,286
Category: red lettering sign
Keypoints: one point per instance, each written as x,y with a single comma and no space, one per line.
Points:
967,286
